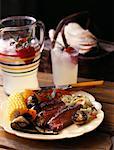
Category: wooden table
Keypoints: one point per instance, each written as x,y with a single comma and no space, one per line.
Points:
99,139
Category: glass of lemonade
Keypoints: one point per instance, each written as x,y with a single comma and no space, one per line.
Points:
70,38
21,44
64,65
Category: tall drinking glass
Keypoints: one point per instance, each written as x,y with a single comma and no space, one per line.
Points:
71,37
21,44
64,66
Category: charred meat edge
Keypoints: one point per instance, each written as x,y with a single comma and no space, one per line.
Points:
63,118
44,116
50,104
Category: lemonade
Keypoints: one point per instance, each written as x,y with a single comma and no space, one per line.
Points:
19,72
20,51
64,66
71,39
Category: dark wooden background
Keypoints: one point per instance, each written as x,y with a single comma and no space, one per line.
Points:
51,12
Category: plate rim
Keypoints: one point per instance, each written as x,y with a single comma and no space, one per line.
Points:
63,134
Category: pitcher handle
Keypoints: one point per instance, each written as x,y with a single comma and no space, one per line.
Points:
42,32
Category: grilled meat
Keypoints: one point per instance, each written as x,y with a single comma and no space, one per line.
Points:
50,104
45,115
63,118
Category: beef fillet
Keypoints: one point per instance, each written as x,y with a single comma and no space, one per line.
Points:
63,118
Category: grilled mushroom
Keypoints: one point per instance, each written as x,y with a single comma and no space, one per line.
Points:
23,124
80,117
19,123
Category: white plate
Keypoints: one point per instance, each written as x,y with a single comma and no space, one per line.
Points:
69,132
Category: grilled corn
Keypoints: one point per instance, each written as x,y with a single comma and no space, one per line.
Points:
14,106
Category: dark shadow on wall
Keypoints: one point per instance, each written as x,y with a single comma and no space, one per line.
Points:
51,12
0,9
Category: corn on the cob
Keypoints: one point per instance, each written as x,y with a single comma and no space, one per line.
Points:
14,106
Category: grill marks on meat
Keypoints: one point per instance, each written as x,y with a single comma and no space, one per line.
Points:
45,115
63,118
54,115
50,104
